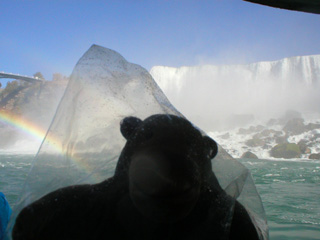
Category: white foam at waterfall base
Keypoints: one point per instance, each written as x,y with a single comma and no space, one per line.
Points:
236,145
23,146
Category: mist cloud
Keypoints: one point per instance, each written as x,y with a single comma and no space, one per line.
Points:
264,90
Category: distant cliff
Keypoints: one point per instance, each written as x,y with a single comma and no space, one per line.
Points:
27,108
244,92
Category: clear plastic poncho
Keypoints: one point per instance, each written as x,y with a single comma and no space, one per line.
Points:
83,142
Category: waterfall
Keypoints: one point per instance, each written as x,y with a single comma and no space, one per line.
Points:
212,95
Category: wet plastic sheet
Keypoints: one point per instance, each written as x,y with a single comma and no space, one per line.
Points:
83,142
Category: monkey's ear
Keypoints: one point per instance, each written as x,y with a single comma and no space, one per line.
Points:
211,145
128,125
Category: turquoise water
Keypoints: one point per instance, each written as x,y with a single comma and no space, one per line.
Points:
290,191
13,172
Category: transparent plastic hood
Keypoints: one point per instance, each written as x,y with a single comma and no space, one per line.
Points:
84,141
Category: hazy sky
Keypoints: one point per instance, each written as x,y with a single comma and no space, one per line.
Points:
50,36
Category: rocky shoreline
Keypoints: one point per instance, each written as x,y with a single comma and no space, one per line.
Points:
290,137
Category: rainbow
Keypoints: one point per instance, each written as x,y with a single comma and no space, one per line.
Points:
39,133
31,129
22,124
